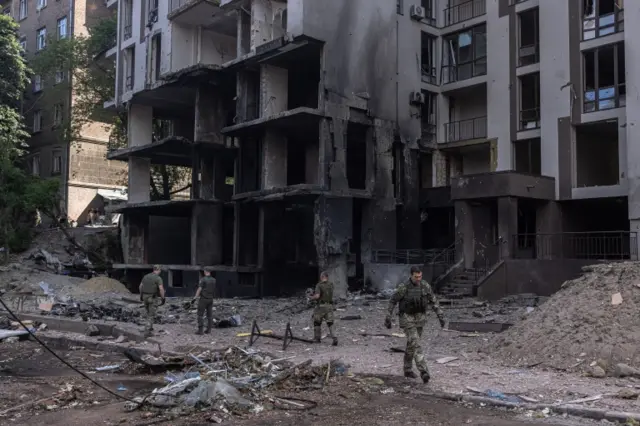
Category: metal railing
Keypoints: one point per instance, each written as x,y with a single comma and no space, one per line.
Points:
442,262
429,74
528,55
600,26
492,256
606,245
404,257
464,71
464,11
127,32
474,128
530,119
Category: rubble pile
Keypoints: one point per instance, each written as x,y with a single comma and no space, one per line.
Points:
104,284
230,381
593,320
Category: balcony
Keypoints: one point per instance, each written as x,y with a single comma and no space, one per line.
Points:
464,71
194,12
528,55
530,119
463,130
464,11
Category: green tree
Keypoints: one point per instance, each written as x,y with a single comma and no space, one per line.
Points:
93,78
21,195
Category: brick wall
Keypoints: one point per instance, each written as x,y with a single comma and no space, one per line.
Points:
88,165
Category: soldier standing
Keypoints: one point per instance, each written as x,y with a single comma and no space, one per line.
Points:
413,298
150,288
324,308
207,291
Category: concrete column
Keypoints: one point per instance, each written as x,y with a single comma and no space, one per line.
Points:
274,160
507,224
207,179
632,65
139,180
464,233
206,234
219,177
139,133
274,90
210,115
312,153
261,22
548,244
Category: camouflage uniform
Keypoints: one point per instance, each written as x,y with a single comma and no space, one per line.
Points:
413,300
323,310
208,291
150,292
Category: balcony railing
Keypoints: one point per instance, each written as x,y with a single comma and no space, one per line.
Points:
464,71
605,98
530,119
474,128
408,257
618,245
464,11
127,32
429,74
528,55
600,26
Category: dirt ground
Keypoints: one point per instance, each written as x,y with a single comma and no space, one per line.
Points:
29,375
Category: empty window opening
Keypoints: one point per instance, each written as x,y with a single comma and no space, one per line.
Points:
249,166
156,57
303,81
130,67
530,101
597,157
604,78
248,235
528,156
228,224
428,58
296,159
425,166
438,232
127,28
357,155
252,106
464,55
601,18
475,161
169,240
245,31
428,117
529,38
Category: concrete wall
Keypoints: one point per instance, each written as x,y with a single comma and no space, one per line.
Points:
632,62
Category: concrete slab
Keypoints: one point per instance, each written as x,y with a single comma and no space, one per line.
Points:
480,327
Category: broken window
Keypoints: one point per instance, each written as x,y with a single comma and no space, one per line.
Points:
528,49
464,55
428,117
528,156
357,155
530,101
604,78
597,158
601,18
428,58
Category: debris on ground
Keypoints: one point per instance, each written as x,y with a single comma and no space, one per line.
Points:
580,322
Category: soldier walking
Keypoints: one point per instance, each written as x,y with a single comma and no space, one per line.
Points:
150,288
207,291
413,297
324,308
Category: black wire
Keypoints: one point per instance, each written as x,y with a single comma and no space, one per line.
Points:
44,345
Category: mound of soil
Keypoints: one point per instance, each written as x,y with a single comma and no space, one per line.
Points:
103,284
581,323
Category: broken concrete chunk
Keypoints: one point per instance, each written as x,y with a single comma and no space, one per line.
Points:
120,339
628,393
446,359
616,299
596,371
92,330
623,370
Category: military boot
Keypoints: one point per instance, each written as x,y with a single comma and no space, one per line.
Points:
207,331
410,375
335,341
425,378
199,332
317,334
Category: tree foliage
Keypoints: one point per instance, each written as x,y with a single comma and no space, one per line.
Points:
21,195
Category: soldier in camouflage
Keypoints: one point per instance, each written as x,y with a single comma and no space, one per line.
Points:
413,298
207,291
324,308
151,288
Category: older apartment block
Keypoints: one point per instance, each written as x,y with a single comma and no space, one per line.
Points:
81,165
484,139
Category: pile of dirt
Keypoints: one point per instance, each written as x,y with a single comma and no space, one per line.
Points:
104,284
582,323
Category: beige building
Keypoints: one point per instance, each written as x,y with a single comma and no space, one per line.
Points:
81,165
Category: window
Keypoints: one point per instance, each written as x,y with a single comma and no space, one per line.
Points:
62,28
430,18
41,39
528,38
128,19
37,121
35,165
428,117
529,101
428,58
57,114
153,12
56,164
59,77
464,10
6,10
528,157
604,78
23,45
22,10
129,69
156,57
41,4
400,7
37,83
464,55
601,18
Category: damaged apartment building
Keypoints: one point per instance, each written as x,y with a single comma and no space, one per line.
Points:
361,136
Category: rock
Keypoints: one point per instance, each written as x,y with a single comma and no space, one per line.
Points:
42,327
12,339
477,314
120,339
627,393
92,330
597,371
623,370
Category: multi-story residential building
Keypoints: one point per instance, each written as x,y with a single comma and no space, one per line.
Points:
349,136
81,165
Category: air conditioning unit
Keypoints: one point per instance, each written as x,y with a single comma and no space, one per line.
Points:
417,12
417,98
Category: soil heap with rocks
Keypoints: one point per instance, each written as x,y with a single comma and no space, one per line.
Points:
594,318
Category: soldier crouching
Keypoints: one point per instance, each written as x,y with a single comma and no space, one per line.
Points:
413,297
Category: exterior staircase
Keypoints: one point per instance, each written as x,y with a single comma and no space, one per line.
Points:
460,284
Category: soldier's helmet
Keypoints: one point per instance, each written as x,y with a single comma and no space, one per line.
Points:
208,269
